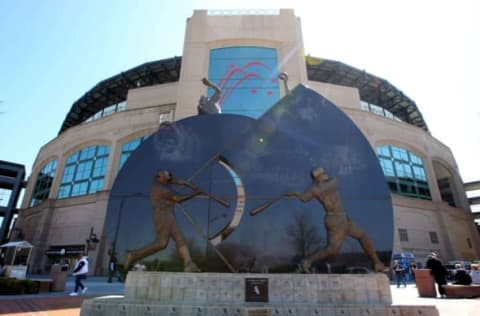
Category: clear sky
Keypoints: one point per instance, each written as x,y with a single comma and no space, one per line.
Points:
52,52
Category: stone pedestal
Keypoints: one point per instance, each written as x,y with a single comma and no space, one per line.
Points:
198,294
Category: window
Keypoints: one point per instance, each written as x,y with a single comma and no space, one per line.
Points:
165,117
44,183
248,78
129,148
402,233
433,237
5,197
108,111
404,172
378,110
84,172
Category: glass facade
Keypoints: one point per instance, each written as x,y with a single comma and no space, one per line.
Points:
378,110
84,172
107,111
404,172
248,78
129,148
5,197
44,183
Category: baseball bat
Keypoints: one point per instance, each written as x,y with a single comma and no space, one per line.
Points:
217,199
265,206
213,197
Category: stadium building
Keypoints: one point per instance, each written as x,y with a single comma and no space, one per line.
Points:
65,201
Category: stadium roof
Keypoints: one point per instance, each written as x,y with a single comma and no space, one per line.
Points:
372,89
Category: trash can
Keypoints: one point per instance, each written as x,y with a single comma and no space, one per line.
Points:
425,283
59,274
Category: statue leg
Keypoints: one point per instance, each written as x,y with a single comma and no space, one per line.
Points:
182,250
357,233
336,232
161,242
150,249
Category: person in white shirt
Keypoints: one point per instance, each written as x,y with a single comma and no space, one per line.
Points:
80,272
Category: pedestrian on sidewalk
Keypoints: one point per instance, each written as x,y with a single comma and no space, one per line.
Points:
80,272
399,273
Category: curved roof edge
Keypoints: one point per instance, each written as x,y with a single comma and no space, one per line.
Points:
372,88
114,90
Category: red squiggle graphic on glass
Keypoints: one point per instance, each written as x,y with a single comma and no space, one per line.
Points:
239,82
228,75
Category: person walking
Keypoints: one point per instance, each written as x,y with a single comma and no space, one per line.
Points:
438,271
80,272
413,267
399,273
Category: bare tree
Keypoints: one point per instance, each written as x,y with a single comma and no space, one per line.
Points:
302,235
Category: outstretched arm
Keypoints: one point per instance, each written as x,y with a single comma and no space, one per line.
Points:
186,197
210,84
216,95
304,197
198,189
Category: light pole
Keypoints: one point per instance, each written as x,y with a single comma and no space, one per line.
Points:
92,241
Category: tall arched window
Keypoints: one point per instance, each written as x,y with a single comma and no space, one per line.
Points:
44,183
84,172
129,148
446,183
404,172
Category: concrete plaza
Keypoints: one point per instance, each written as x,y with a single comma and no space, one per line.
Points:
60,303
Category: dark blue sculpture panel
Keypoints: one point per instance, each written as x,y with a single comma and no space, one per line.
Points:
299,189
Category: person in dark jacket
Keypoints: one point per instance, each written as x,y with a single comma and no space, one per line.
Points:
399,270
438,271
80,272
461,276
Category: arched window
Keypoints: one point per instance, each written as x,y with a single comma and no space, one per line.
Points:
404,172
44,183
446,183
84,172
129,148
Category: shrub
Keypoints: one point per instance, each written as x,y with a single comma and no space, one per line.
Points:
12,286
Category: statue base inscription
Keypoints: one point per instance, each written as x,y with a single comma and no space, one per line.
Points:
169,293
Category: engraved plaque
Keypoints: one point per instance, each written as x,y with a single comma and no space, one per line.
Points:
259,311
256,290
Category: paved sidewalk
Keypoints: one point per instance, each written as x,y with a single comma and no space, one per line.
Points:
59,303
445,306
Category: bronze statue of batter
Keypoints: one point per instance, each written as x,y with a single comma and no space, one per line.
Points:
337,223
163,200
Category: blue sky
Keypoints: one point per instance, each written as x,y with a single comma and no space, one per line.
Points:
52,52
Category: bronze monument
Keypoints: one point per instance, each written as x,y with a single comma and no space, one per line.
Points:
337,223
163,200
